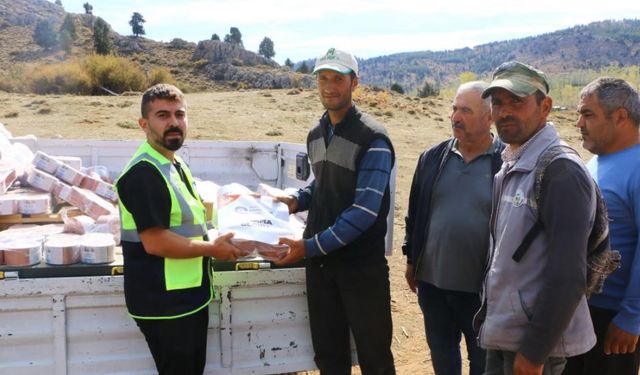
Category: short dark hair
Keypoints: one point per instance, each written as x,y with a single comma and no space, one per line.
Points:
614,93
540,96
159,91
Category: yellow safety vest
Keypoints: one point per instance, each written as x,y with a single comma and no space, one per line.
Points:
187,218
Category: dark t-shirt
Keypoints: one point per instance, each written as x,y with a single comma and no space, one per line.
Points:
144,193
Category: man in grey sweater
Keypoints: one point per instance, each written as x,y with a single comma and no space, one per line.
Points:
535,312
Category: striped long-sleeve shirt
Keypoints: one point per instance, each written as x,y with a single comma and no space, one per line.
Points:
373,176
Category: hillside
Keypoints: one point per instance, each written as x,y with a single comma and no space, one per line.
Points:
203,66
211,64
591,46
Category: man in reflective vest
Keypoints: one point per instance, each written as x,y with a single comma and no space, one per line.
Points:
167,274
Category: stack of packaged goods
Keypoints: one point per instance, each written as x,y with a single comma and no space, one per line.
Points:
46,184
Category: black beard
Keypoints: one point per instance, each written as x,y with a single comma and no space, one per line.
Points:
173,144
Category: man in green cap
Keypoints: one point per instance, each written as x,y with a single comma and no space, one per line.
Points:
535,312
344,242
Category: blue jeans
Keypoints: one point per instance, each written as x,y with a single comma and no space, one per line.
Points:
447,315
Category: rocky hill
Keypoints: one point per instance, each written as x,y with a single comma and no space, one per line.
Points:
213,64
206,65
591,46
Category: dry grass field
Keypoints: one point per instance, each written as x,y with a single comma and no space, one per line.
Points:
274,115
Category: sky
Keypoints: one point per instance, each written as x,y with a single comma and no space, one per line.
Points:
303,29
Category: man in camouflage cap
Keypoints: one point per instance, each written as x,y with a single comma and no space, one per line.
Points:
534,312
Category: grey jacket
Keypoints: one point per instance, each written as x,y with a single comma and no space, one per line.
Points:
515,292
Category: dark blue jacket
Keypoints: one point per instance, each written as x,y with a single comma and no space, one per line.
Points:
427,172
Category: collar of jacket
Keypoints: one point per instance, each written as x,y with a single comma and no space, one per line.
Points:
547,136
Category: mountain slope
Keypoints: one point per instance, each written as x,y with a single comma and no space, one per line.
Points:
591,46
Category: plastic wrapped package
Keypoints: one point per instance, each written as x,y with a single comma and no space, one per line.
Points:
62,249
29,232
70,194
96,206
41,180
8,204
100,187
69,175
72,161
99,172
8,176
34,203
263,250
46,163
97,248
22,156
109,224
80,224
257,221
22,253
83,224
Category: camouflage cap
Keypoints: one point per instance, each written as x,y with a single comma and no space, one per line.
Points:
336,60
520,79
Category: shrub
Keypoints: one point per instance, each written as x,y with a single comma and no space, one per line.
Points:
429,89
62,78
397,88
114,73
160,75
11,79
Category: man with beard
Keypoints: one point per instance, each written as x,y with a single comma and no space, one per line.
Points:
609,111
344,241
167,273
445,267
534,307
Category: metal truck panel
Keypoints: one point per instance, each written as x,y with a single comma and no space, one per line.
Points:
79,325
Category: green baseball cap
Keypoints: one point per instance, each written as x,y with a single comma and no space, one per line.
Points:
518,78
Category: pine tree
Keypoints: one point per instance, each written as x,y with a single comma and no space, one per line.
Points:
101,38
136,24
69,26
288,63
304,69
66,42
88,8
266,48
234,37
215,37
44,35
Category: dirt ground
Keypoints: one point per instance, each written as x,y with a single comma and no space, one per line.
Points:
274,115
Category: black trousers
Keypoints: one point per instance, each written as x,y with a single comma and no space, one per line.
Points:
178,346
595,362
356,297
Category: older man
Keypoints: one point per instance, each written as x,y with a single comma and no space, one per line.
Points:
452,177
609,111
536,312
